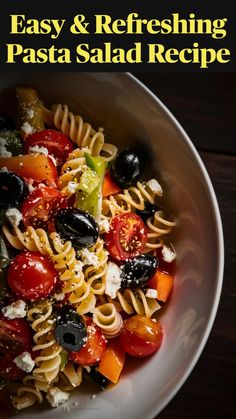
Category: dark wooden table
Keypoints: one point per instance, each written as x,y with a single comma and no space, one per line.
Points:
205,105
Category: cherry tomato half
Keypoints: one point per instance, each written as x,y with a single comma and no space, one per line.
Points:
127,236
8,368
40,205
141,336
58,145
32,276
92,350
15,335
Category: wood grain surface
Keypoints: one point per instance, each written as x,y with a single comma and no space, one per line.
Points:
205,105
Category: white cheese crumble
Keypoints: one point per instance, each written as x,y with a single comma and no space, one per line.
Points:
14,216
15,310
60,296
30,113
4,169
168,254
151,293
3,141
38,149
25,362
56,397
112,279
155,187
104,225
88,258
4,152
26,128
72,187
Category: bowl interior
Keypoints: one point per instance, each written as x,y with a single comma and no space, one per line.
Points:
129,113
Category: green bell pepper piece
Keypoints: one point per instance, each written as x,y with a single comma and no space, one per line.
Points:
89,180
92,202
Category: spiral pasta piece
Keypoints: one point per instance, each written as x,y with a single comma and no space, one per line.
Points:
33,240
108,319
136,302
71,169
26,396
95,274
80,132
158,227
130,199
48,361
70,377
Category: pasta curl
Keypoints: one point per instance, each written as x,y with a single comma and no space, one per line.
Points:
48,361
136,302
158,227
108,319
80,132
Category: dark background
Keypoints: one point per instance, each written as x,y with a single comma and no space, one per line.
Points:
205,105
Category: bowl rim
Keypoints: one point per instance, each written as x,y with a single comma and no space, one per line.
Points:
220,247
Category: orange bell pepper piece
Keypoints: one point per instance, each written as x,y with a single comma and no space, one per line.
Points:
109,186
112,361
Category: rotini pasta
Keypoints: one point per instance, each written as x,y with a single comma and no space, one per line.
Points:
136,302
80,132
83,274
108,319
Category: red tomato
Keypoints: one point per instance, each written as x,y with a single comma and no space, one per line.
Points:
8,368
92,350
15,335
32,276
40,205
141,336
58,145
127,236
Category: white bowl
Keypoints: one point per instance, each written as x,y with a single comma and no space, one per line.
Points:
128,111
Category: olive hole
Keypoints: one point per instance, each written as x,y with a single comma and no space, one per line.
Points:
69,338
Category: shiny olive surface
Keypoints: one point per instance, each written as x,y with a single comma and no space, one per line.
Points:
77,226
13,190
137,272
127,168
70,330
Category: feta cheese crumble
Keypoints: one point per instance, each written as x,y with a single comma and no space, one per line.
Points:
38,149
72,187
4,169
112,279
15,310
168,254
88,258
155,187
4,152
14,216
26,128
25,362
104,226
56,397
151,293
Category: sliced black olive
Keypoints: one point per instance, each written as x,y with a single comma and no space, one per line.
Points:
6,122
77,226
137,272
127,168
98,378
13,190
70,330
147,212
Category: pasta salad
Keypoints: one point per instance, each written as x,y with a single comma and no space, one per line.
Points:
86,264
